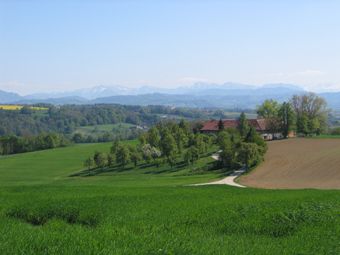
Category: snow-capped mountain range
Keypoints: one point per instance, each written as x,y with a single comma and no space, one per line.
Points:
227,95
195,89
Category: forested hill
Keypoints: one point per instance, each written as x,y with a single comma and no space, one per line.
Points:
66,119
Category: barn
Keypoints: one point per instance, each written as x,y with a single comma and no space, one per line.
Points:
260,125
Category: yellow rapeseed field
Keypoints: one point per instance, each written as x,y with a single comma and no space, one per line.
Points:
19,107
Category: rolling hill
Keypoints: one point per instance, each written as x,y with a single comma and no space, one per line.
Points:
44,210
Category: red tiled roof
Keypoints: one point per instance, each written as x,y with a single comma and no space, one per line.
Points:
212,125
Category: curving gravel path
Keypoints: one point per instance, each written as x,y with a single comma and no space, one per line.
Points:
229,180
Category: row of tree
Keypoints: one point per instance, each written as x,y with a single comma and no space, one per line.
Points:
15,144
171,142
167,142
176,139
306,114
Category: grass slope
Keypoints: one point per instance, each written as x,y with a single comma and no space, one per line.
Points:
148,211
100,129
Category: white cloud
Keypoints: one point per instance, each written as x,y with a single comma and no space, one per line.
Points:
311,73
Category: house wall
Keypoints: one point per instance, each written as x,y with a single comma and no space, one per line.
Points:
267,137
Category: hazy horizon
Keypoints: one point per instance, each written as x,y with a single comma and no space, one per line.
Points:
135,88
69,45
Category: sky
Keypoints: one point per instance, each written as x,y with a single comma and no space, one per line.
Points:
61,45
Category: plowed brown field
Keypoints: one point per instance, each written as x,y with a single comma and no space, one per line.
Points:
298,163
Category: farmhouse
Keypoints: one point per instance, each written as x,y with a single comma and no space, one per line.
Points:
261,126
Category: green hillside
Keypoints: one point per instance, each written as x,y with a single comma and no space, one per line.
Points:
43,210
100,129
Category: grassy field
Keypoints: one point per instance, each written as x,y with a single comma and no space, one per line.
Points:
19,107
298,163
100,129
43,210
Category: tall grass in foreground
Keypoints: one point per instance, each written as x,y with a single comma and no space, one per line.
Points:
167,220
151,211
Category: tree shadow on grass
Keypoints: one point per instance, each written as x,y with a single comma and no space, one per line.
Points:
146,165
167,168
150,168
98,171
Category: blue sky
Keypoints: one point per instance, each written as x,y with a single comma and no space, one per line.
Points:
64,45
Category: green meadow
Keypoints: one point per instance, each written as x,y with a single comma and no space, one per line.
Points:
50,205
100,129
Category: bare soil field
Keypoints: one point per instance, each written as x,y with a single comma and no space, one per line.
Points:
298,163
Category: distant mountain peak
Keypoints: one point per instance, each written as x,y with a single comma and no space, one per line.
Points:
8,97
283,85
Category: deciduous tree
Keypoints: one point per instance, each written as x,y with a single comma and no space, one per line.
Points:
100,159
249,154
243,126
311,112
122,155
89,163
287,118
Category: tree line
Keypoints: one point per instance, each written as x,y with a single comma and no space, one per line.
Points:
304,114
14,144
66,119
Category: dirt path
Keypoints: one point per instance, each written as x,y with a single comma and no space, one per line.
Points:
229,180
